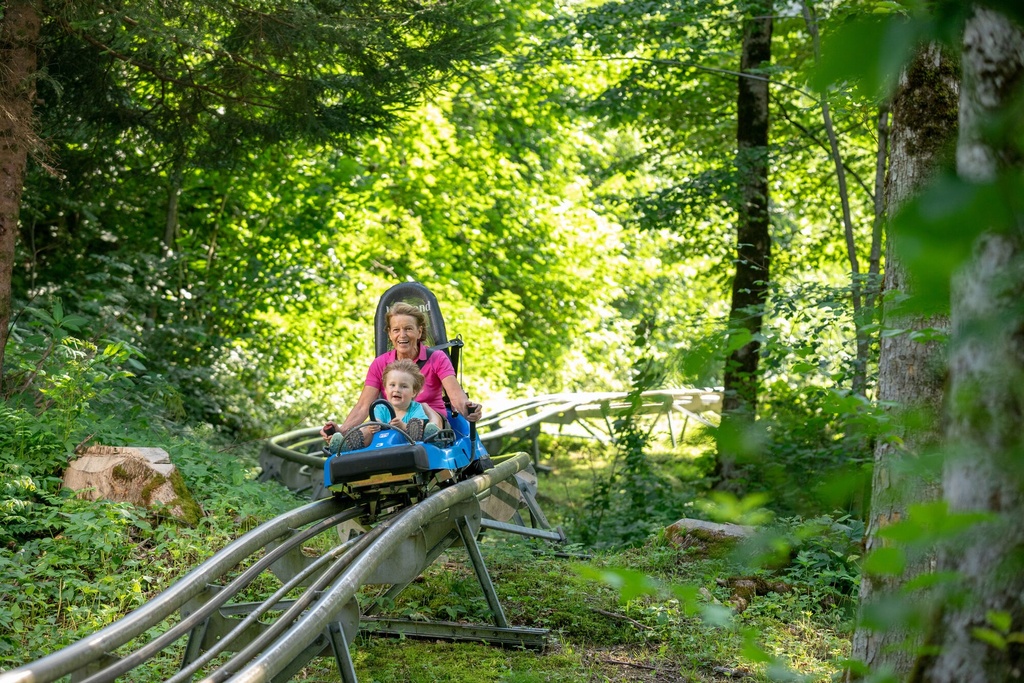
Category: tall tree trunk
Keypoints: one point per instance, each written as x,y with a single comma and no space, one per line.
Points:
911,372
19,37
753,240
170,241
863,290
985,472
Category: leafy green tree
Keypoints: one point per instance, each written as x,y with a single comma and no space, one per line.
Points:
864,286
197,84
933,243
19,36
912,356
978,630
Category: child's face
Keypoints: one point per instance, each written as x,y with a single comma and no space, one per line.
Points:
399,389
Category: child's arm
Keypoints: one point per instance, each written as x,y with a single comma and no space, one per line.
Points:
432,416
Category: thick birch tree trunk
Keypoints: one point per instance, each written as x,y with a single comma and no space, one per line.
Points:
753,239
985,472
911,372
19,36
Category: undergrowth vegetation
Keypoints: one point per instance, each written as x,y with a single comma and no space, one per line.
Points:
70,566
630,598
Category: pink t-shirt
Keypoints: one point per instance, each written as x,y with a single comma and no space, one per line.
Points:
434,370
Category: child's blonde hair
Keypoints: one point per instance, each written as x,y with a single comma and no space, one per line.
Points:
407,366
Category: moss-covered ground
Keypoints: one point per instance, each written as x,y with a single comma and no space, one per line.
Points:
696,625
799,633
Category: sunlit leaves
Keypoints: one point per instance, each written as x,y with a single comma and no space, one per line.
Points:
935,231
885,561
930,523
870,51
723,506
746,441
997,632
630,584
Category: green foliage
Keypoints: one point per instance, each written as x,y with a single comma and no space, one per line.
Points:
69,567
546,237
552,199
824,553
630,500
878,46
30,462
683,611
206,81
64,376
938,227
64,391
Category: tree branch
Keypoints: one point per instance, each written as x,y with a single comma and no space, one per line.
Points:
702,67
163,77
833,141
824,145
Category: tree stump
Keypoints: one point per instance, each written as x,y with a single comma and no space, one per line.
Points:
132,474
686,525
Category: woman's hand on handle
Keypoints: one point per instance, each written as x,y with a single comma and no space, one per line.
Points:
460,402
473,411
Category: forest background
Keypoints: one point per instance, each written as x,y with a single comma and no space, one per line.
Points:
602,195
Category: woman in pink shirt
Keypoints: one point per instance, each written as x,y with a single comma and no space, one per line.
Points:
407,329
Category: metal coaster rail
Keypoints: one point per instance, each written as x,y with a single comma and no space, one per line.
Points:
321,620
294,459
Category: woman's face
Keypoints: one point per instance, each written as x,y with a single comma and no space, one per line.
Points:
400,389
405,335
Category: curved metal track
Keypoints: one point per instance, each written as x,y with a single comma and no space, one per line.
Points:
294,458
315,603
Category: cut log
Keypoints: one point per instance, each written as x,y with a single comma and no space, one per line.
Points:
685,525
132,474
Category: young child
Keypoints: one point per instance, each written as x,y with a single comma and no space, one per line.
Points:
401,383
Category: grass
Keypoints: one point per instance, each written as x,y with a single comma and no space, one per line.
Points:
595,636
595,633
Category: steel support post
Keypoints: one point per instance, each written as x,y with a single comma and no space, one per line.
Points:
339,645
523,530
536,514
481,571
194,647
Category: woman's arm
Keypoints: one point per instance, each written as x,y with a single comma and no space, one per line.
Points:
460,402
361,411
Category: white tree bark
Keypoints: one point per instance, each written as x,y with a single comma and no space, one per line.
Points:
985,471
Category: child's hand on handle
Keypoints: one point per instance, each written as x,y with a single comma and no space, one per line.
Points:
328,430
